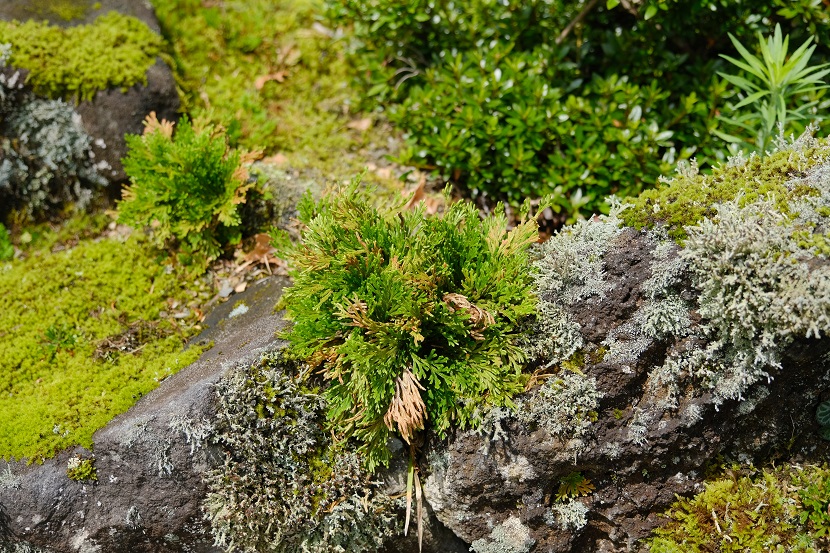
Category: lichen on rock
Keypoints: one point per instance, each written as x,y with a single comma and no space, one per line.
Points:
283,485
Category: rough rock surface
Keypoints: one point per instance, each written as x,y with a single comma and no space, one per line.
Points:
149,490
483,479
113,113
493,489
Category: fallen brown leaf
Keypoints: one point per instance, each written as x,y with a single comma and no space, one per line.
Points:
361,125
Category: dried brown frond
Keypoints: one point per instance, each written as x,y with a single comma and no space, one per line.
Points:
481,318
152,124
407,409
242,175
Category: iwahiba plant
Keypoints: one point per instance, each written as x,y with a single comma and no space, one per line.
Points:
413,319
186,186
113,52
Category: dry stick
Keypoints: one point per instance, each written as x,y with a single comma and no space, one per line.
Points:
580,16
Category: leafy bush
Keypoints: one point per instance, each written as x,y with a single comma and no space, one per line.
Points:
412,318
76,62
494,122
523,99
186,186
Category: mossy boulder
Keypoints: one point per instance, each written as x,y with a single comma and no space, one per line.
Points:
103,58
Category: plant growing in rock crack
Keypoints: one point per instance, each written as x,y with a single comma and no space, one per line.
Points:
413,320
81,470
187,187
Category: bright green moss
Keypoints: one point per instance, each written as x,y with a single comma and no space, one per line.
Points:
689,196
76,62
781,510
261,69
57,311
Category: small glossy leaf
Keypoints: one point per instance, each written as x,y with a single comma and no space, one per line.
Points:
823,413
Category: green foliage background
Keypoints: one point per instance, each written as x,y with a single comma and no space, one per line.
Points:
498,98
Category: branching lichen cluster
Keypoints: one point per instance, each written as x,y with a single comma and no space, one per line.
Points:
46,156
283,485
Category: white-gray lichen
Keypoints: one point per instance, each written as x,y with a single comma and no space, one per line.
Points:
283,486
564,406
46,156
511,536
570,515
569,269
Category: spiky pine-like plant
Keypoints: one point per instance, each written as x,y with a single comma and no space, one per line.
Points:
413,319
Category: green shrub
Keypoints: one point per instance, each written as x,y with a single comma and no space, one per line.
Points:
76,62
412,318
495,122
186,186
517,99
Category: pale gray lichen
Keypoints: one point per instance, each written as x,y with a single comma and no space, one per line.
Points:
511,536
564,406
569,268
569,515
196,433
283,486
46,157
758,292
8,479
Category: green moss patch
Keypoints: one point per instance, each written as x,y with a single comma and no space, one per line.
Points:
72,352
115,51
784,509
262,69
690,196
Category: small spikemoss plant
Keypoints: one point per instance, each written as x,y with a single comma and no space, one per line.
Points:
81,470
781,510
186,186
76,62
414,320
57,312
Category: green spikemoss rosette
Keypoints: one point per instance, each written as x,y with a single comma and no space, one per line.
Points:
413,318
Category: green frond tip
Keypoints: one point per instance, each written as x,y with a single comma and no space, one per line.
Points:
413,318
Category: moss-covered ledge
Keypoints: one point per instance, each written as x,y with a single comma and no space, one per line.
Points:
115,51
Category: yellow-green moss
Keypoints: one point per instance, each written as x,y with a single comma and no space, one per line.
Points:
782,510
689,197
260,68
55,311
76,62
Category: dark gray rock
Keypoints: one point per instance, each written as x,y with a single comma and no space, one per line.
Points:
113,113
483,482
149,460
